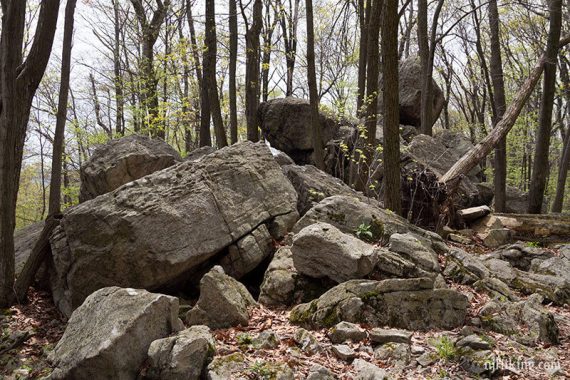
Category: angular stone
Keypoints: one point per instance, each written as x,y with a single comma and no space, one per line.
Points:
368,371
108,336
410,304
399,353
266,340
123,160
160,230
183,356
223,302
318,372
343,352
344,331
321,250
282,285
497,237
227,367
474,342
307,342
412,249
381,336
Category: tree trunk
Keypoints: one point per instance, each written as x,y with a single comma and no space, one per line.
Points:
496,68
391,101
365,11
289,27
372,71
119,97
233,64
485,146
565,159
210,74
540,168
313,92
252,71
19,81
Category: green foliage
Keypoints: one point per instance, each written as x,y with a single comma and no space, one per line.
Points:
445,348
364,232
262,370
244,339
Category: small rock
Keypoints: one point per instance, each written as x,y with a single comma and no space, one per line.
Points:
225,367
266,340
318,372
459,239
427,359
181,357
307,342
497,237
473,341
343,352
382,336
344,331
223,302
398,352
476,362
368,371
409,246
417,350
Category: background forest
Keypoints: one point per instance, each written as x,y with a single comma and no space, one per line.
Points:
118,55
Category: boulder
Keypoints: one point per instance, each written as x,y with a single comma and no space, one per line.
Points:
410,90
321,250
401,303
24,241
160,230
283,285
411,248
286,124
198,153
344,331
347,213
314,185
368,371
108,336
528,322
181,357
224,302
123,160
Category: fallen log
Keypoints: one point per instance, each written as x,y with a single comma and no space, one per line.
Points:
530,227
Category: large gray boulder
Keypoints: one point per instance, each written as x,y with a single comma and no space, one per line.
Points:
347,213
410,74
321,250
108,336
181,357
162,229
121,161
411,304
286,124
224,302
314,185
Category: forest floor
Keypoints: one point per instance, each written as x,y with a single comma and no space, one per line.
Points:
43,326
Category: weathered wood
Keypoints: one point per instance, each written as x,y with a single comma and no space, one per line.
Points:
549,227
473,213
485,146
39,253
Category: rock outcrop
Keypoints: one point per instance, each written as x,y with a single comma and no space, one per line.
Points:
224,302
121,161
157,231
108,336
286,124
411,304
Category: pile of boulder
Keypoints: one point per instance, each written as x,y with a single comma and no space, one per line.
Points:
159,232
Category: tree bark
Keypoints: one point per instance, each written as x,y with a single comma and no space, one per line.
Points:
540,169
365,11
289,24
497,78
210,74
150,31
391,101
565,159
313,92
19,81
372,71
252,71
485,146
233,64
119,92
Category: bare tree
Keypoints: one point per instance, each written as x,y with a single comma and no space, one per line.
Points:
19,80
313,92
252,56
233,64
540,166
289,22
